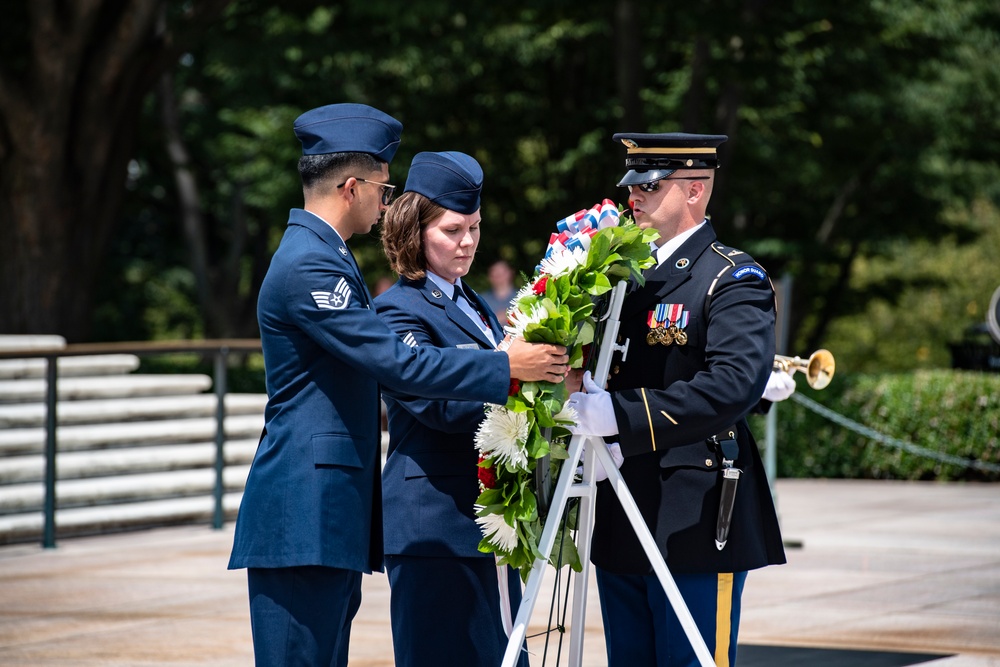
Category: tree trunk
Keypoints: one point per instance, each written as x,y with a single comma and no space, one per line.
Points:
67,126
694,97
731,99
628,64
192,219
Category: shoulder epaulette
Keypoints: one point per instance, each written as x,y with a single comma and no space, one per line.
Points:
734,257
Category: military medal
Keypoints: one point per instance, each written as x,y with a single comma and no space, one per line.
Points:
670,332
657,331
681,337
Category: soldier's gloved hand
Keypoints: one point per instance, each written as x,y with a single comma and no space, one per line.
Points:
616,455
595,414
780,386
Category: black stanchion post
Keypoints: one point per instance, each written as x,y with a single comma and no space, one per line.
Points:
51,394
221,357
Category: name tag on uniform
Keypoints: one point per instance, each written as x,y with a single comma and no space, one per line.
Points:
467,346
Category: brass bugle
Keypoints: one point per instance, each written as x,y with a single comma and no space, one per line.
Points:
819,367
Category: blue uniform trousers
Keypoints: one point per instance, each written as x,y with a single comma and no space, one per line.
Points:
641,629
302,615
446,611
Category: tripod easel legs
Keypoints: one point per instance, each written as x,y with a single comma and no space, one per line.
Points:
586,491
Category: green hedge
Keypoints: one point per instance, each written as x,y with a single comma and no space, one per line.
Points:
949,412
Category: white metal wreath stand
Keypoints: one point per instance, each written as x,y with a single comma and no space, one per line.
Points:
586,490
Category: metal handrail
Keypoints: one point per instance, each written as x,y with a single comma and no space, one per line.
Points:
220,348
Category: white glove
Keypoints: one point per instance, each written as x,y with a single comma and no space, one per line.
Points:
602,474
595,414
780,386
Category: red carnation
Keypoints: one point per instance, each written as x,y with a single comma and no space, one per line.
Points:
487,476
514,388
539,287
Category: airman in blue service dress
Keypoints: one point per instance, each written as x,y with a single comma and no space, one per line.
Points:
701,345
446,607
310,522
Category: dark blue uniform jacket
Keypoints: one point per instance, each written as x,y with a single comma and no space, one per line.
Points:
312,496
430,481
669,399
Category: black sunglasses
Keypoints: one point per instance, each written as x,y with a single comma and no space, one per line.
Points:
655,185
387,190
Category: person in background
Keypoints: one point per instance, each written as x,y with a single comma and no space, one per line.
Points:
310,522
701,349
502,292
450,604
381,285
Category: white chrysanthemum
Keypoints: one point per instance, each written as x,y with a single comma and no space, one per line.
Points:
518,320
563,261
568,413
526,289
502,435
495,528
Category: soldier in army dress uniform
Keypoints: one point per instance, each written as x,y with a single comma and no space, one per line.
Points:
701,345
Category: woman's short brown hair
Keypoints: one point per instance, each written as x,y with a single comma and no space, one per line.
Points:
402,239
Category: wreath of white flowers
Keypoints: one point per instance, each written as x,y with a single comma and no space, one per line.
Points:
589,249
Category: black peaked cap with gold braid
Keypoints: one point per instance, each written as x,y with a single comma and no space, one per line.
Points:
651,157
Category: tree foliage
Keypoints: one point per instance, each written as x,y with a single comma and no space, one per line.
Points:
859,132
72,79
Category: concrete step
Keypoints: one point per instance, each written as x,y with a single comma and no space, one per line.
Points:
21,498
107,462
22,415
71,389
112,518
16,441
89,366
31,342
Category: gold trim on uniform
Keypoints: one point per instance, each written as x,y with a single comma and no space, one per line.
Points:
672,420
723,619
649,418
679,152
716,247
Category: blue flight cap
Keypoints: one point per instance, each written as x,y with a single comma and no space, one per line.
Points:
449,179
651,157
348,128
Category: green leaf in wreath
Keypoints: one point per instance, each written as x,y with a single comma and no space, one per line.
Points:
537,446
600,286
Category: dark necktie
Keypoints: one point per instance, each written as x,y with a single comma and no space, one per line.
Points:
458,294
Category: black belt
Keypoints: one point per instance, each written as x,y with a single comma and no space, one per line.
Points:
725,443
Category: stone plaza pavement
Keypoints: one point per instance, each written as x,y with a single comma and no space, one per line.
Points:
889,566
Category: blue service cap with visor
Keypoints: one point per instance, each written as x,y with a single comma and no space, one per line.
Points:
651,157
348,128
450,179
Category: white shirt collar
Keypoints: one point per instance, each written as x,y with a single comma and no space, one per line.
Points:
671,246
327,224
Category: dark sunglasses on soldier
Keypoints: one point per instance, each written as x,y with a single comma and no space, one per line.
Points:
655,185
